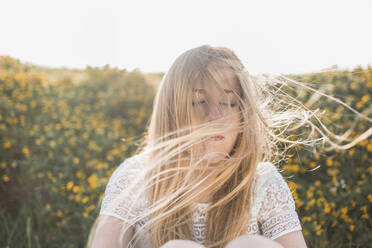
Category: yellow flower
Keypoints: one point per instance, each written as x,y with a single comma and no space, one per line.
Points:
79,174
59,213
75,189
339,109
306,218
85,199
344,211
6,178
110,157
312,164
351,152
309,194
317,183
92,180
369,147
47,207
327,209
7,144
347,218
3,165
352,227
52,143
363,142
333,172
319,232
370,197
359,105
98,166
365,216
334,180
329,162
85,214
72,140
369,170
76,160
310,203
292,167
364,209
336,116
319,201
365,99
2,127
90,208
69,185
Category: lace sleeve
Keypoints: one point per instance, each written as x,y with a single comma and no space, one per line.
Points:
118,201
277,215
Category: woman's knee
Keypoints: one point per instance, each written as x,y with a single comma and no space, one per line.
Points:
181,244
254,240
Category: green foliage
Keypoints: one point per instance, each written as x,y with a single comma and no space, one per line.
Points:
332,189
60,144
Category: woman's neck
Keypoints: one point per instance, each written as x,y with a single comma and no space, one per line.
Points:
205,197
208,178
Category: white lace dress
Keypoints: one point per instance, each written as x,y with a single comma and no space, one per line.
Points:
273,210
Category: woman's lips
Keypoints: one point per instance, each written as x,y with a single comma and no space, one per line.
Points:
217,138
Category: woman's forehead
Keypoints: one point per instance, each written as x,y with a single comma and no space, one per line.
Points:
222,80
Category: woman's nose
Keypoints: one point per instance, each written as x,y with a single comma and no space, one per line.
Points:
214,112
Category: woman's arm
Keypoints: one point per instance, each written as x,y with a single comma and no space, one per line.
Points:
181,244
107,233
293,239
253,240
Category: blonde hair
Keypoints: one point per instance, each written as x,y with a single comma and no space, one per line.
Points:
268,115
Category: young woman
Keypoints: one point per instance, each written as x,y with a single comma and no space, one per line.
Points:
205,175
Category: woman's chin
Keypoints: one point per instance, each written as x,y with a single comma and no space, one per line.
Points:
213,157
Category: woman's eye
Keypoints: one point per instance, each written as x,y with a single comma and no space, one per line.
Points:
222,103
226,104
195,103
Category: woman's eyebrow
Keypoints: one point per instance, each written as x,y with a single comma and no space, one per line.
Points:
202,91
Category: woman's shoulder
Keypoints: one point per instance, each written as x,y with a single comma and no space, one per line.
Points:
266,172
130,166
264,168
123,196
127,173
267,179
133,162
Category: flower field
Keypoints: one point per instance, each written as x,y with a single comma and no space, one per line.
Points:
63,132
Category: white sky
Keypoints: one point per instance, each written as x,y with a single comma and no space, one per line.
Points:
270,36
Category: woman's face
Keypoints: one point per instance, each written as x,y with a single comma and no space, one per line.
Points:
211,102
